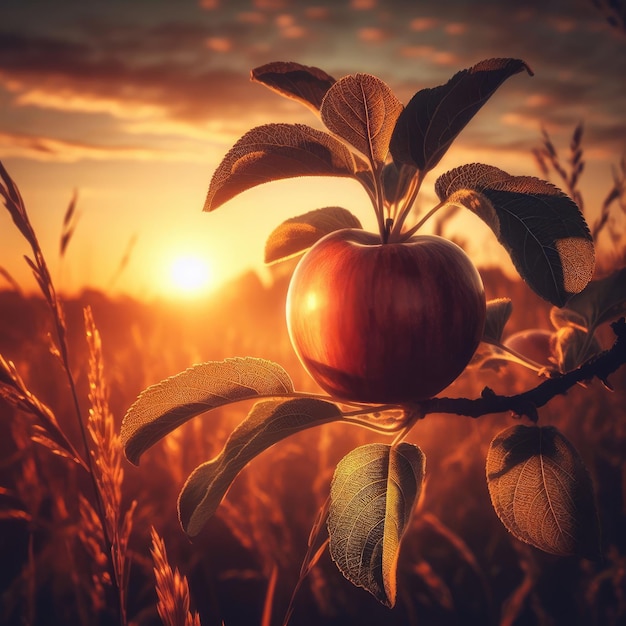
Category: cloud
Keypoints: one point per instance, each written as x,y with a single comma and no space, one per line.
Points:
207,148
74,76
51,149
421,24
430,54
219,44
251,17
372,34
189,77
456,28
363,5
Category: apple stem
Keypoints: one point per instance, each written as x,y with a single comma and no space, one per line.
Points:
379,202
415,187
388,227
426,217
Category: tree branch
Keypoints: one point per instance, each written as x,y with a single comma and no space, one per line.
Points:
527,403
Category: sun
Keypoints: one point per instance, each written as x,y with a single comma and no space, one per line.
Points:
190,275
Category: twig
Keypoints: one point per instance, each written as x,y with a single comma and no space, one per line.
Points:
527,403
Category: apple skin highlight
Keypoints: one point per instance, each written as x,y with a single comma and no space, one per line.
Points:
385,323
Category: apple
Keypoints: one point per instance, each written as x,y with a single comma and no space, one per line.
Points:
533,343
385,322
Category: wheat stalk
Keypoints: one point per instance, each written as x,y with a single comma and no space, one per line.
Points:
92,540
617,194
12,199
130,246
48,432
172,589
70,220
9,279
106,453
547,157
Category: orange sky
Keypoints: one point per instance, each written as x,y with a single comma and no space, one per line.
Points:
133,104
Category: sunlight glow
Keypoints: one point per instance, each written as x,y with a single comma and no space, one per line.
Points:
190,275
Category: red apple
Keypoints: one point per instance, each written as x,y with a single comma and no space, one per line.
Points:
385,323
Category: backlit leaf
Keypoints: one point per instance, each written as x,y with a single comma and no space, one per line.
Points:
541,228
542,492
601,301
267,423
362,110
434,117
488,356
498,313
297,234
573,346
396,181
162,407
372,495
305,84
275,152
565,317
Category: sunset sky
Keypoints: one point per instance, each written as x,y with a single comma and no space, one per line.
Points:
133,103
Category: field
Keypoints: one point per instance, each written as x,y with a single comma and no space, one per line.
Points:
132,106
458,565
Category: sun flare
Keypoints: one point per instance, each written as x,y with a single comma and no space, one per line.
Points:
190,275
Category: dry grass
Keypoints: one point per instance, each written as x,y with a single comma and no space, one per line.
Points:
67,557
172,589
102,460
611,217
547,157
107,454
47,431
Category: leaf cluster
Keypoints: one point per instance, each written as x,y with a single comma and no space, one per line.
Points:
538,484
573,340
389,149
376,487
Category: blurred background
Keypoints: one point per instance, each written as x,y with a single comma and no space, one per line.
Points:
133,104
125,108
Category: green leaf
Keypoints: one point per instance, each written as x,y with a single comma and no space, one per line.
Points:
601,301
274,152
362,110
541,228
372,496
498,313
297,234
269,422
434,117
305,84
162,407
542,492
